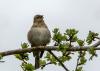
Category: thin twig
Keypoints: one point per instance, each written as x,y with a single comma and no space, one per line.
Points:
58,61
77,63
97,38
46,64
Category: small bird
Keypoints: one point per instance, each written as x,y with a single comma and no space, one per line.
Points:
38,35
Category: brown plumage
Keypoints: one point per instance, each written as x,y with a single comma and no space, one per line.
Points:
38,35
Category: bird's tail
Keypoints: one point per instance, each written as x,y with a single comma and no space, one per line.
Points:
36,54
37,58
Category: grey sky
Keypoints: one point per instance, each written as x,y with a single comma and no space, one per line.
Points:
16,18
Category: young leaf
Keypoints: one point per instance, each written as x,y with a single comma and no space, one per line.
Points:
42,62
24,45
23,56
91,36
92,51
71,32
79,69
82,61
80,42
28,67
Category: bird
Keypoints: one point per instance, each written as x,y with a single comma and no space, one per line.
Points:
38,35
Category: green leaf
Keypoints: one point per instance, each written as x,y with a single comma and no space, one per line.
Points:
18,56
55,30
74,38
28,67
53,60
24,45
71,35
79,69
42,62
58,37
91,36
82,60
63,47
48,56
64,37
65,58
23,56
92,51
80,42
71,32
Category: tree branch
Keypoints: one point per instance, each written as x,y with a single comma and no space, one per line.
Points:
58,60
96,44
41,48
48,48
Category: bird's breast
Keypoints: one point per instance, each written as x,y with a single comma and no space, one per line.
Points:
39,36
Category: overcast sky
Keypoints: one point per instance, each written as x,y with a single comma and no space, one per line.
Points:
16,18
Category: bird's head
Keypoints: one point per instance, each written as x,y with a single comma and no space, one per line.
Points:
38,18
